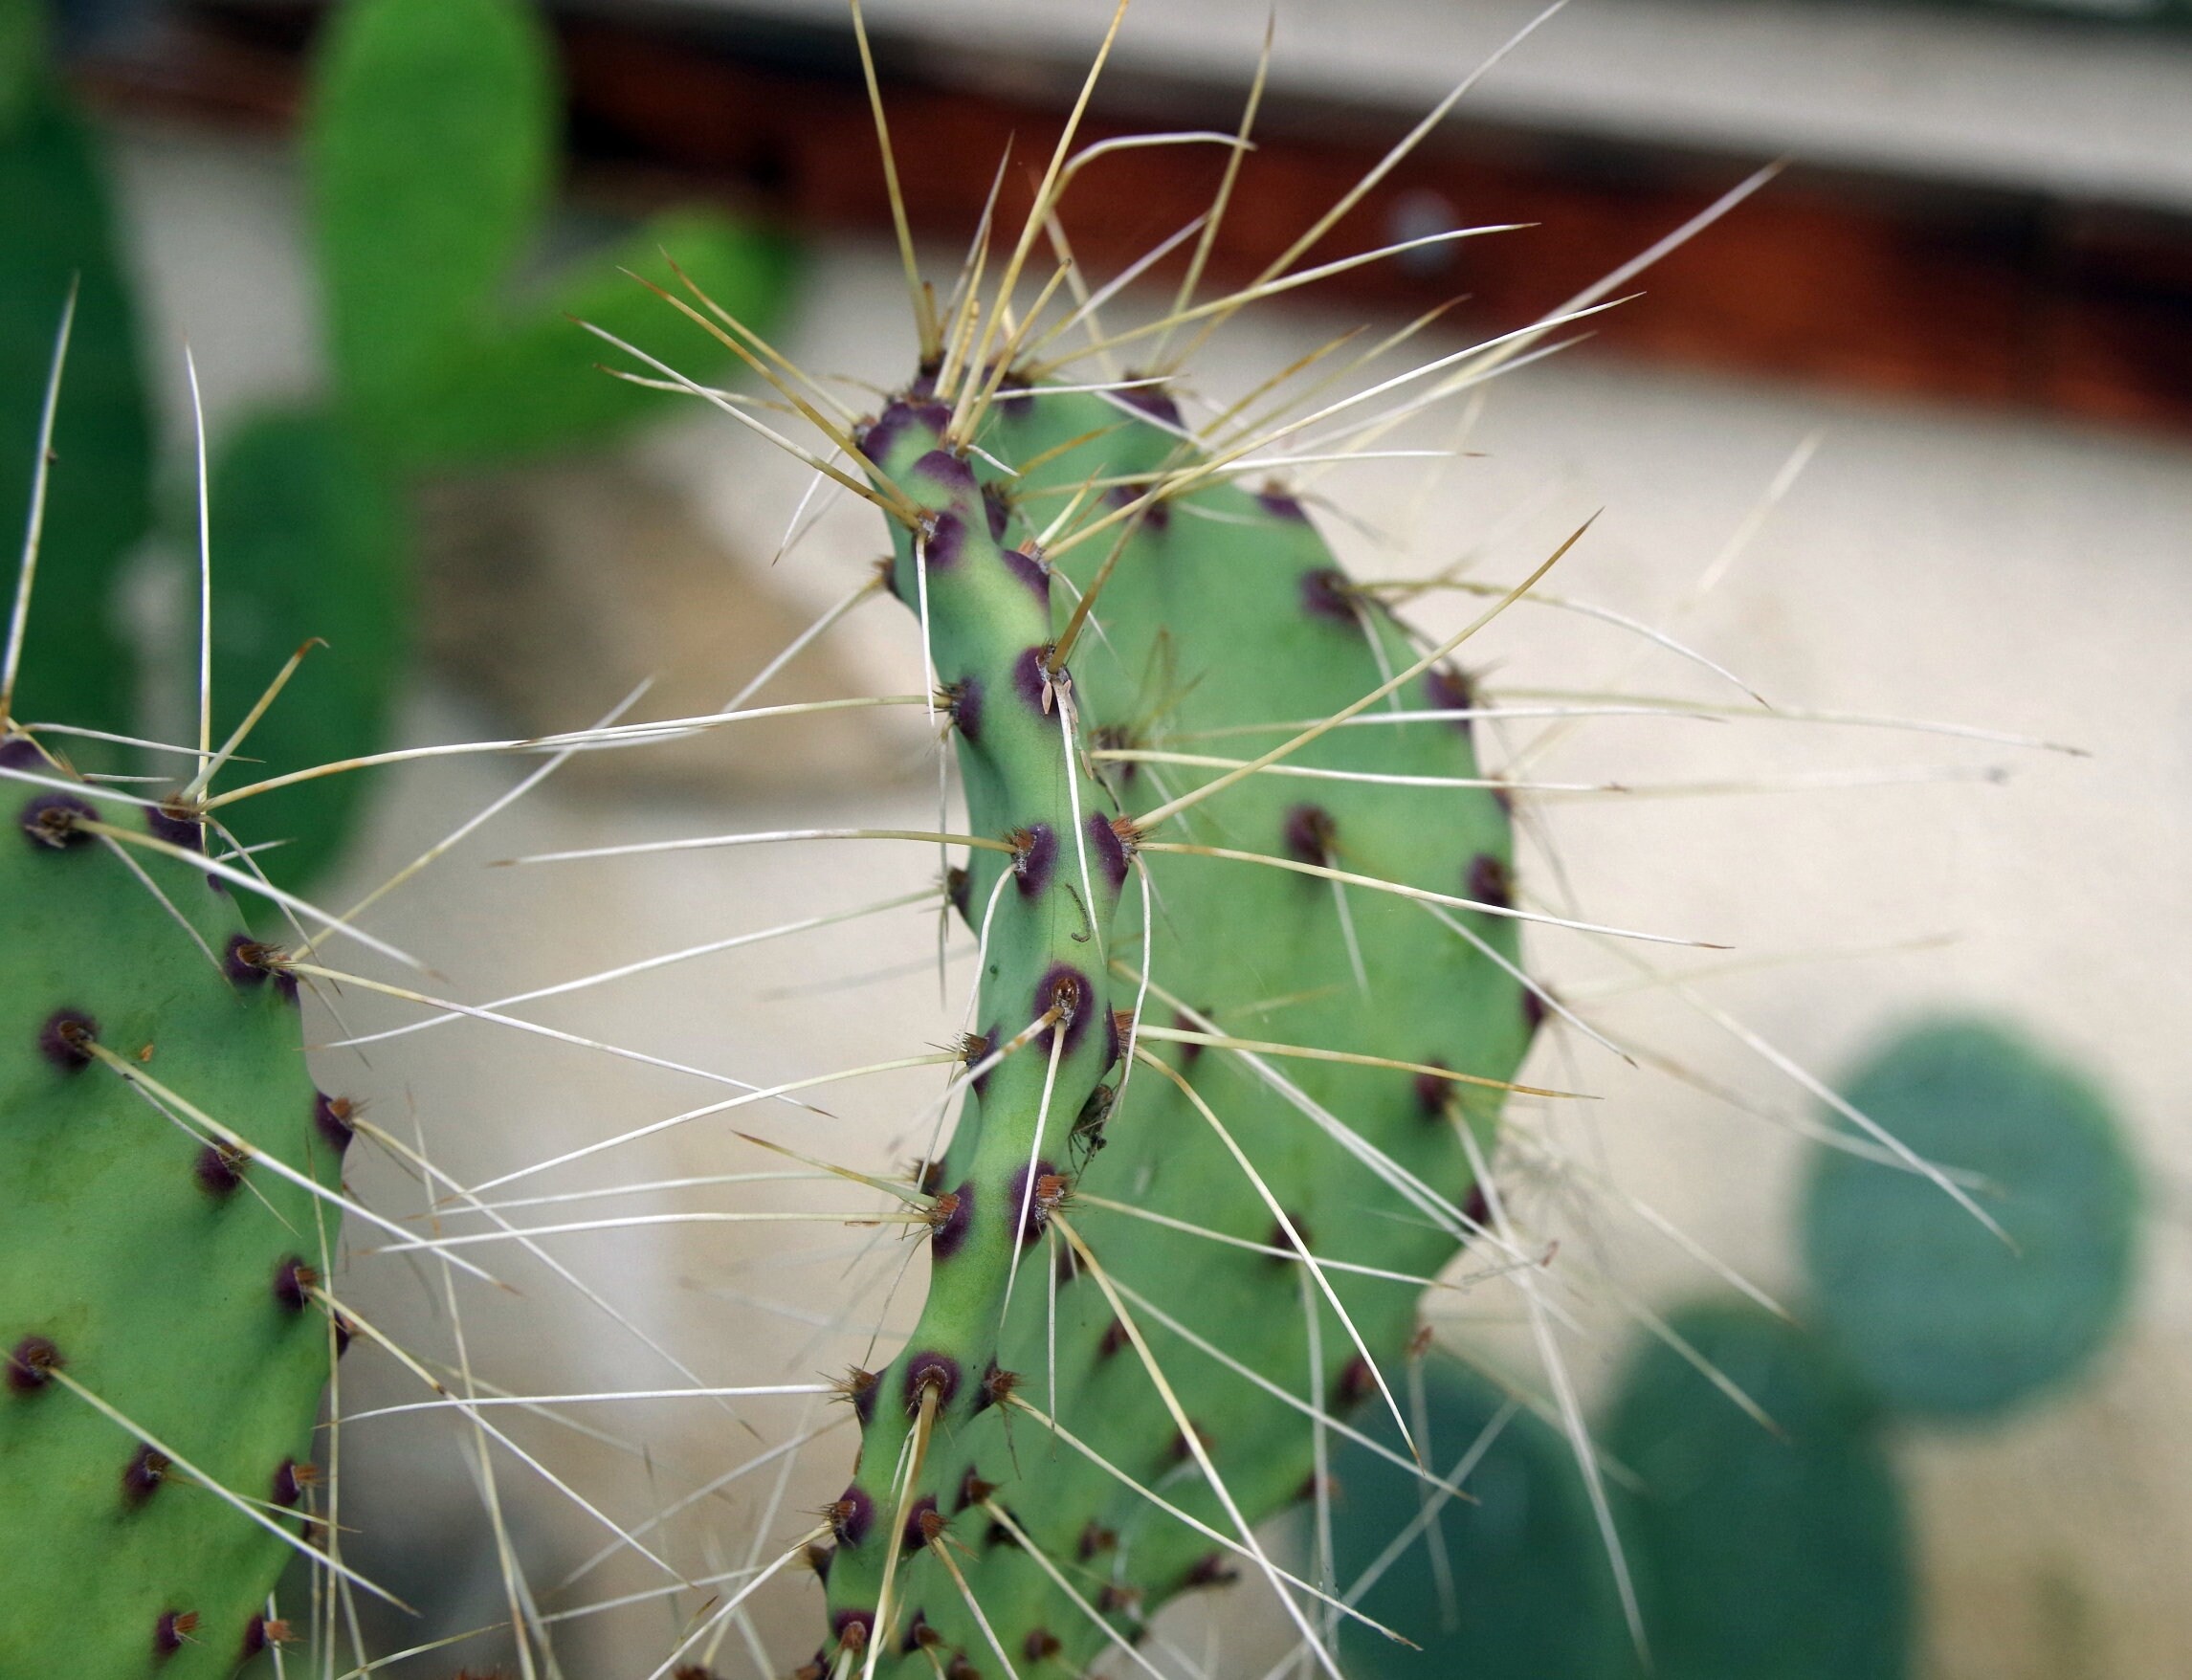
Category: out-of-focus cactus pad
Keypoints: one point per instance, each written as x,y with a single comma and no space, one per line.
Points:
431,147
308,542
1940,1315
1759,1555
1509,1583
432,152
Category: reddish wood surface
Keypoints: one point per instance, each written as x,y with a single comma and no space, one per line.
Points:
1928,289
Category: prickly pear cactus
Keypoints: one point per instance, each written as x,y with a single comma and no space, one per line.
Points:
165,1350
1942,1318
432,145
1084,1242
1511,1584
1760,1552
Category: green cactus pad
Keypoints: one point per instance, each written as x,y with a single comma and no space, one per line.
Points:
58,226
432,146
1944,1319
1520,1588
311,544
157,1271
535,386
1756,1555
1223,613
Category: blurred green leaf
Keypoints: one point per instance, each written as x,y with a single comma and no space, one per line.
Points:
1940,1315
56,224
1759,1556
308,541
430,145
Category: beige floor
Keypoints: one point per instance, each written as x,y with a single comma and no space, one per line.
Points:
1984,570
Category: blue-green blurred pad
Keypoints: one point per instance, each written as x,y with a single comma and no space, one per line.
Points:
1942,1317
1528,1591
1759,1556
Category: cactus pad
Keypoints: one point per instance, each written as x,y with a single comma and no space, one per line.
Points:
1942,1317
1222,618
1514,1585
153,1268
432,147
311,546
1758,1554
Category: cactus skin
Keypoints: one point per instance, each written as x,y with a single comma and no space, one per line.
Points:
152,1265
1224,609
